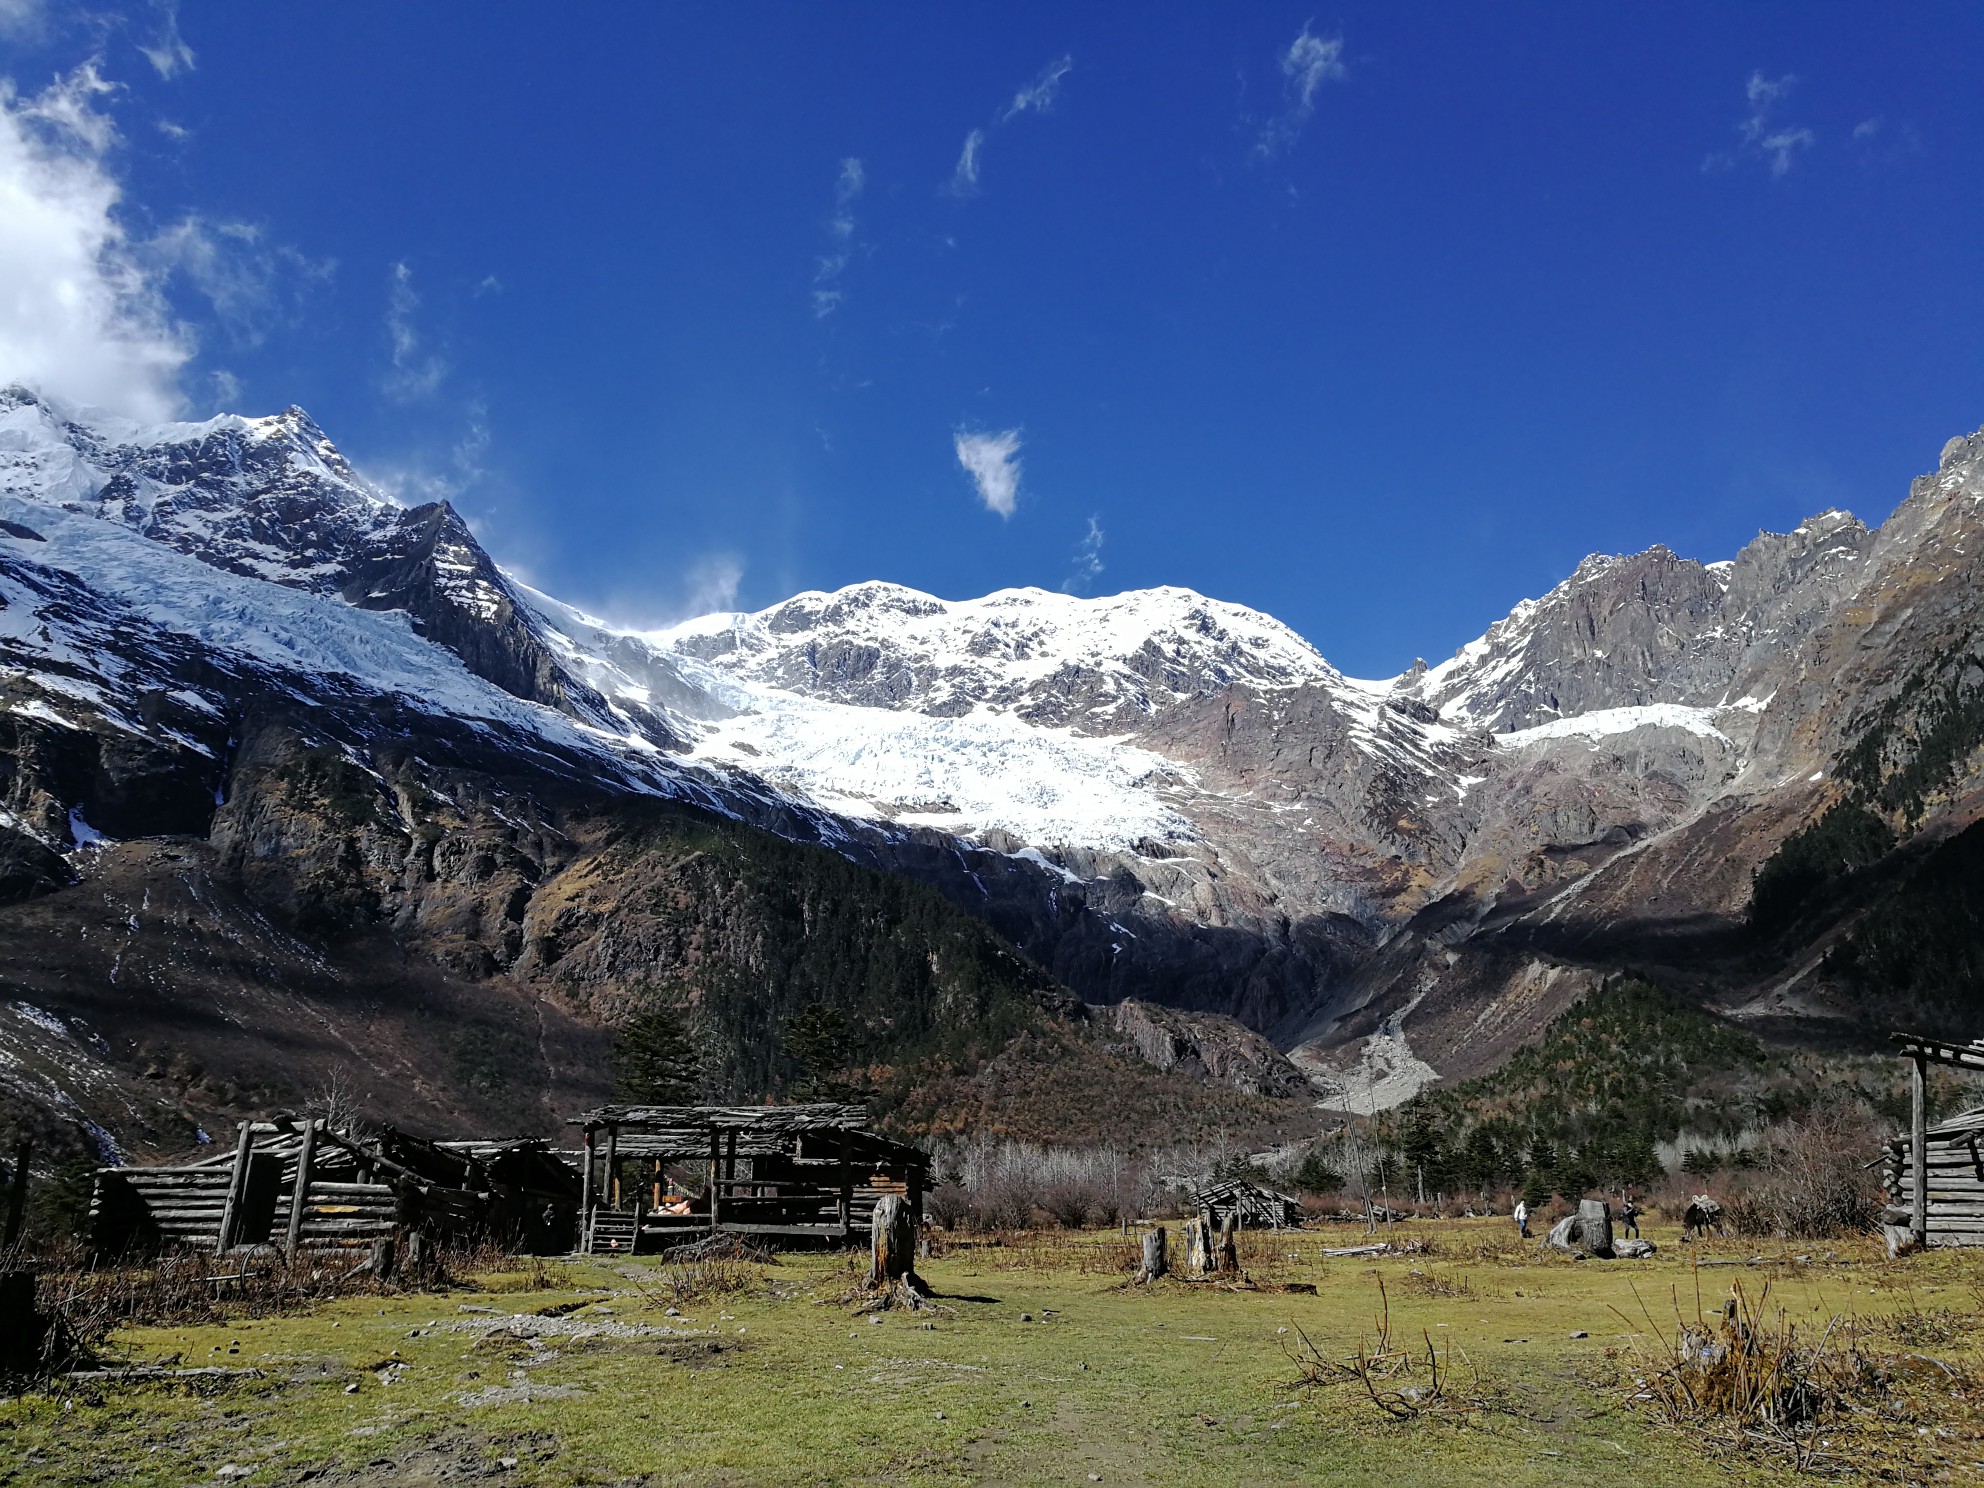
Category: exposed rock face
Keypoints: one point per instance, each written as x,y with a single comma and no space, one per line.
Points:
1205,1045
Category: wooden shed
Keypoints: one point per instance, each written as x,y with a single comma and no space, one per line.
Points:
292,1183
655,1176
1251,1206
1934,1176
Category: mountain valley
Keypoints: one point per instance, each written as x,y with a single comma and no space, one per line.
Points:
298,788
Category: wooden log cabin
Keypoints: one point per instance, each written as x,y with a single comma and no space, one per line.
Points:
1934,1175
792,1175
292,1184
1250,1206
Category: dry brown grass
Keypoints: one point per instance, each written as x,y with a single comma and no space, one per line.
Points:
1827,1396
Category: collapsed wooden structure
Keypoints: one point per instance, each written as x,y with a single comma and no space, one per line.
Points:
655,1176
1246,1205
295,1184
1935,1176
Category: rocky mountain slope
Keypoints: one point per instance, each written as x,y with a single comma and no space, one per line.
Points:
335,734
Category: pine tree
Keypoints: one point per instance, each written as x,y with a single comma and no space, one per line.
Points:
821,1042
654,1063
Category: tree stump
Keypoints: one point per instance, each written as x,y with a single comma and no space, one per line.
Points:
1156,1262
1227,1257
892,1279
1198,1246
891,1242
379,1265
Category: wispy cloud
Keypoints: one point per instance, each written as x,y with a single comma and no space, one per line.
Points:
711,584
415,372
1308,63
964,179
166,49
1761,135
1037,97
1088,559
84,316
827,271
992,461
253,285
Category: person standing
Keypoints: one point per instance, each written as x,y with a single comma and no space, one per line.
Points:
1629,1217
1522,1219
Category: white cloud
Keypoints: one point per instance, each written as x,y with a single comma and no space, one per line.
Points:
1309,62
1760,137
83,316
167,50
254,286
227,390
964,180
1038,96
992,461
22,17
416,373
827,293
712,585
1866,129
1088,559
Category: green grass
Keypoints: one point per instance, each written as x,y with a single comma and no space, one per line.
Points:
782,1383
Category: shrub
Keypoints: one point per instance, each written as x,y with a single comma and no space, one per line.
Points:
1813,1178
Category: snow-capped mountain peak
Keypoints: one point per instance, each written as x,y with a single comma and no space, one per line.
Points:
1095,665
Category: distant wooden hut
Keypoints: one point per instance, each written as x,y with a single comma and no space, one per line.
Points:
1934,1176
655,1176
1251,1206
295,1184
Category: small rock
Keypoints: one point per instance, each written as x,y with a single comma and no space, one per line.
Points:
352,1388
876,1320
506,1462
1026,1317
1580,1334
1026,1405
940,1415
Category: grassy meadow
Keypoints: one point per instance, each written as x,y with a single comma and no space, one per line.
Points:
1043,1363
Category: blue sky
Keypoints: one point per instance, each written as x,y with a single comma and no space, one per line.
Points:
1377,318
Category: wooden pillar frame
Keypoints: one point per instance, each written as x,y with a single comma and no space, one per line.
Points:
299,1195
1918,1146
230,1211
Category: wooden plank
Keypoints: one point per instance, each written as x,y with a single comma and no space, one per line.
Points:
299,1191
1918,1143
236,1187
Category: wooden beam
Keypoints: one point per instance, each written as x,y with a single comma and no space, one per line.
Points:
17,1195
299,1195
243,1149
1918,1139
716,1189
613,1168
585,1195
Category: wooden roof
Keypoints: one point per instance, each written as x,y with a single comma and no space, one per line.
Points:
783,1120
1940,1051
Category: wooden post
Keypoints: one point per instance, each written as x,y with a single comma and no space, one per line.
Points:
654,1198
846,1190
299,1195
730,1163
585,1196
236,1186
716,1171
613,1167
1156,1262
17,1196
1918,1144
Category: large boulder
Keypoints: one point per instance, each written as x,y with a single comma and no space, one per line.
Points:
1632,1250
1588,1232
